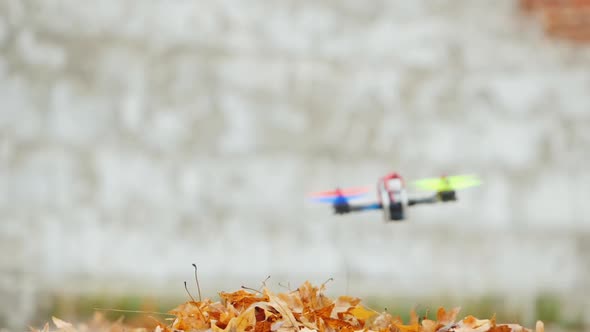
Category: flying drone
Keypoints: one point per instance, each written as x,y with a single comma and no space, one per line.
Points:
392,197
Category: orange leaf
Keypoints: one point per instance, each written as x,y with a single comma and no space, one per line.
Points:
500,328
283,309
262,326
429,325
361,313
352,301
226,316
344,304
243,322
469,321
188,309
444,317
308,295
325,312
259,314
189,315
189,323
347,329
337,323
320,325
293,301
242,299
473,323
408,328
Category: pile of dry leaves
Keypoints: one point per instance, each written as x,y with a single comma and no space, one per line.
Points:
305,309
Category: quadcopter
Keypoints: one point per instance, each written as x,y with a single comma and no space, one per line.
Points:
392,197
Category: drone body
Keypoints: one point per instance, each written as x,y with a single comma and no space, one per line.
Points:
392,196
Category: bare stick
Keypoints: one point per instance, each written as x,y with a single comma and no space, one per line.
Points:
189,293
197,279
264,282
252,289
327,281
197,303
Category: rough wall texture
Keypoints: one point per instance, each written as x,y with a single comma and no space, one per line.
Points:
137,137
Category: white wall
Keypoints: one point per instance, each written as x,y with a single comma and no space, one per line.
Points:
138,137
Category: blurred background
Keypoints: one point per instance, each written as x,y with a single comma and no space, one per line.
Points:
139,137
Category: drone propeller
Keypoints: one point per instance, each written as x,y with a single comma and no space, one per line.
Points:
339,196
448,183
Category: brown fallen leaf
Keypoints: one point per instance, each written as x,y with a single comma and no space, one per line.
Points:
242,299
444,317
306,309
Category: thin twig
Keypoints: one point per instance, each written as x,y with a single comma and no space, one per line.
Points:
265,280
197,279
252,289
288,286
197,303
201,312
189,293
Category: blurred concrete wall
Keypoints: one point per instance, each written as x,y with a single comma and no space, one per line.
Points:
137,137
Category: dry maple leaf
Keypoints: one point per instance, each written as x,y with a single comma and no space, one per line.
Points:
242,299
429,325
473,323
444,317
283,309
501,328
305,310
361,313
293,301
308,295
191,316
243,322
338,324
264,319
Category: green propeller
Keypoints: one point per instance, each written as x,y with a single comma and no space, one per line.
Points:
448,183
